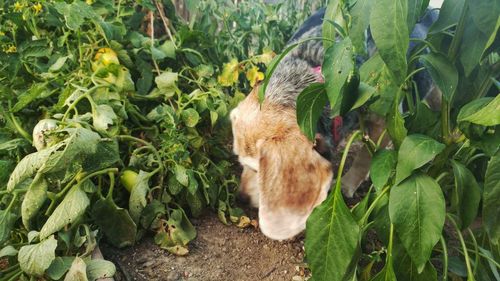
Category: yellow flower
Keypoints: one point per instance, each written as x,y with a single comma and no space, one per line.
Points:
2,33
18,7
230,72
254,75
266,57
10,49
38,8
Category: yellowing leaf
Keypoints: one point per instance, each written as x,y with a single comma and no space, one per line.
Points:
266,57
229,74
254,75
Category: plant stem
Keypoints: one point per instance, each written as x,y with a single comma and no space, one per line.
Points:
476,250
111,185
470,276
372,206
355,135
445,258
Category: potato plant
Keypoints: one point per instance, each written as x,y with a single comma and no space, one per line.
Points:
431,212
127,103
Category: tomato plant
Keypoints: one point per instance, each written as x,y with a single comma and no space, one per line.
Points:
128,105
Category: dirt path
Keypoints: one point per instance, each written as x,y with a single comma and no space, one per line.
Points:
219,253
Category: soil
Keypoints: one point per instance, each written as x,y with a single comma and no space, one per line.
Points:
220,252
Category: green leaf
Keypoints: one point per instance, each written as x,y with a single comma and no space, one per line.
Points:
473,47
106,155
103,116
33,199
97,269
466,194
179,233
190,117
77,271
332,238
36,91
417,210
390,33
382,166
59,267
487,115
115,222
58,64
485,14
35,259
491,197
7,220
396,124
71,208
341,77
137,200
407,271
415,151
449,14
415,8
333,11
360,13
310,104
443,72
386,274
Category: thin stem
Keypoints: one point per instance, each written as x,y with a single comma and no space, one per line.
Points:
442,176
111,185
445,258
470,275
355,135
477,156
18,128
374,203
476,250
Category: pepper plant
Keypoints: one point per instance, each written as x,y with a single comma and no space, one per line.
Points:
431,212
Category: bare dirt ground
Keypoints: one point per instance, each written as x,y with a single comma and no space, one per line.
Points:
219,252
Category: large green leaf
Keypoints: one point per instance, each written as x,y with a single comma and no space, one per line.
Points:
332,12
106,155
71,208
137,200
382,166
415,8
35,259
59,267
487,115
386,274
415,151
473,47
417,210
33,199
390,33
360,13
443,72
466,194
485,14
491,197
332,238
310,104
341,77
449,14
115,222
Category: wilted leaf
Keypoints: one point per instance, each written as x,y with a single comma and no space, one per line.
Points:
33,199
115,223
77,271
35,259
137,200
103,116
7,220
68,211
59,267
97,269
166,80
